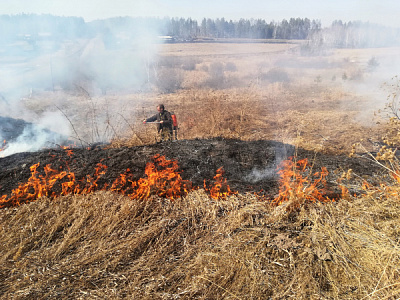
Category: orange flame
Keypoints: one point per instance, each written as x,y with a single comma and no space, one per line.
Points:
345,191
36,187
162,179
119,184
69,152
396,177
3,146
68,147
385,188
45,185
297,184
220,189
91,182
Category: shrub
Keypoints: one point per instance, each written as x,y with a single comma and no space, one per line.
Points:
276,75
356,74
189,64
373,63
393,99
169,80
230,67
216,70
216,74
169,62
204,68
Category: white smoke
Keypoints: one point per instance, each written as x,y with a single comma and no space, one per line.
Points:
257,175
51,131
282,152
54,88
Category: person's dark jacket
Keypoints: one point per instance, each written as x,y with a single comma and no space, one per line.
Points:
164,116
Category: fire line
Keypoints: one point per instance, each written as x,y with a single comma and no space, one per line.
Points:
162,179
298,184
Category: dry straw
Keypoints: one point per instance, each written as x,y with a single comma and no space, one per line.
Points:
104,245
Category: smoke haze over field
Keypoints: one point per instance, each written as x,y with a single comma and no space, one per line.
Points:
60,71
59,63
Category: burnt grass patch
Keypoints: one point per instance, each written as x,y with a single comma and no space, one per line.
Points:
250,166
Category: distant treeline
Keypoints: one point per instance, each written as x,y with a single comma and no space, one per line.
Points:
255,29
179,28
121,30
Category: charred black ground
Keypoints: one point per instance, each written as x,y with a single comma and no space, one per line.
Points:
248,165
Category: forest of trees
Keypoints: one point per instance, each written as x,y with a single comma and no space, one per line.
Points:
339,34
72,27
256,29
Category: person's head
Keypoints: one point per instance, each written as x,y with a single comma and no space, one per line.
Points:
160,108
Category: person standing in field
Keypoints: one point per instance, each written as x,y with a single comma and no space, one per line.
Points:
164,123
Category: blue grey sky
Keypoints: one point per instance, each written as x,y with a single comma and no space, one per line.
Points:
385,12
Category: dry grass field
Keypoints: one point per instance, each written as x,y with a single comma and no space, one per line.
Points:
108,246
246,91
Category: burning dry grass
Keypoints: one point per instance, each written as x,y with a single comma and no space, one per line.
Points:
104,245
162,179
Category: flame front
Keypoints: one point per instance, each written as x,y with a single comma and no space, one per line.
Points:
220,189
298,185
2,147
162,179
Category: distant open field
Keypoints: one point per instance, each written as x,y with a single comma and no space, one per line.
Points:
207,49
247,91
271,91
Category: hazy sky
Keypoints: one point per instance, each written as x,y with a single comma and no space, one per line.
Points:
386,12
